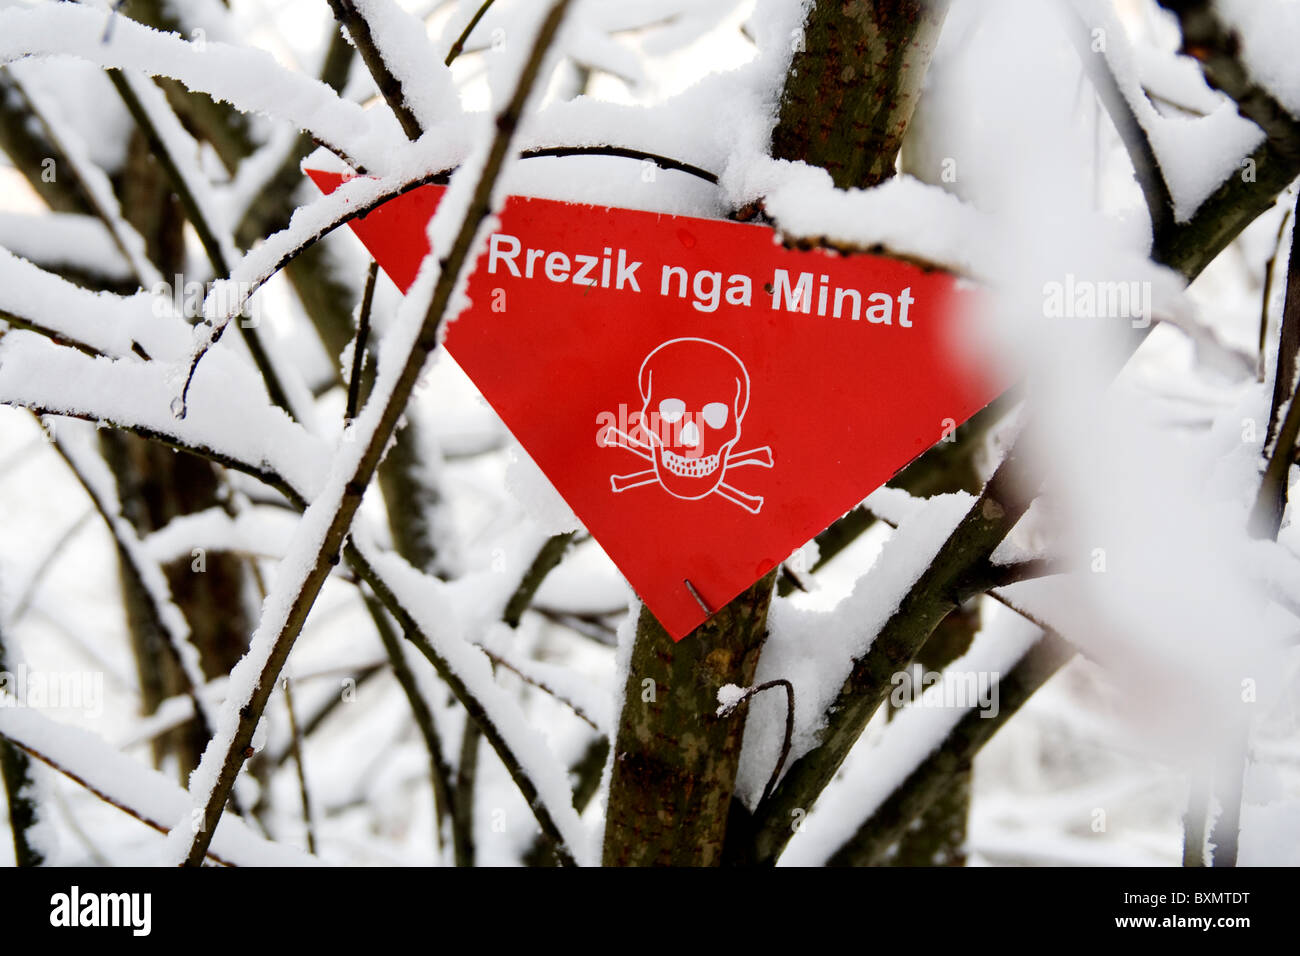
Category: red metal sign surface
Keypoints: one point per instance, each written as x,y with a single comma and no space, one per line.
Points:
705,399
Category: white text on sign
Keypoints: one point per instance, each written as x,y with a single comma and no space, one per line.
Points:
807,292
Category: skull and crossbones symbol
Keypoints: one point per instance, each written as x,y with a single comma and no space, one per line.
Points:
694,395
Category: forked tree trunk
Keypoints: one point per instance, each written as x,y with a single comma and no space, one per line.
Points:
848,98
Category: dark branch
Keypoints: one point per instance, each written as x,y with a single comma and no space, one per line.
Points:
390,87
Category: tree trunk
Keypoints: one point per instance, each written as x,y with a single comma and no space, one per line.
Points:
675,761
848,98
854,84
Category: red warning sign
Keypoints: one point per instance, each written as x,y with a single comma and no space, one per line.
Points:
705,399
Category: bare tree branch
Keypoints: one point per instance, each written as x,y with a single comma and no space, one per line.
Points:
386,421
390,87
888,822
1239,200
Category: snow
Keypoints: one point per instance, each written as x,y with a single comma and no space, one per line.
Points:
184,154
905,216
64,241
329,513
261,531
729,695
535,493
1218,142
91,177
427,602
87,107
913,734
1267,30
128,783
227,393
248,79
103,321
845,633
401,41
76,441
574,690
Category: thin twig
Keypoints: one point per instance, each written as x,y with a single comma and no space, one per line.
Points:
19,786
789,725
1146,166
476,711
359,344
130,553
208,238
58,338
390,87
110,800
1288,333
1271,498
541,685
1268,291
332,704
101,200
24,602
1239,199
928,601
440,773
591,626
915,793
987,576
1196,821
295,747
359,210
623,152
459,45
411,629
462,813
547,557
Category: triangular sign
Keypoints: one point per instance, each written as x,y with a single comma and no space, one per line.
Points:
705,399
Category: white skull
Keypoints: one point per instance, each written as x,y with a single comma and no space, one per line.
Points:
694,394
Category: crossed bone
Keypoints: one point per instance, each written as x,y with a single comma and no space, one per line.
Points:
754,456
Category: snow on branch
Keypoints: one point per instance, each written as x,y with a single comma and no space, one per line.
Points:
111,325
844,636
76,447
1192,157
902,215
395,48
428,603
231,420
250,80
130,786
93,181
915,732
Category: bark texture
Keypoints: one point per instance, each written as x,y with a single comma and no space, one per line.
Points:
675,762
854,84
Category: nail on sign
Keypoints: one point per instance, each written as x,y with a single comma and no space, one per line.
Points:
705,399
